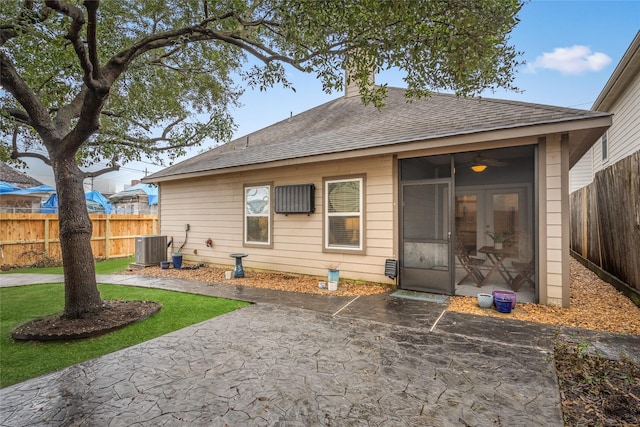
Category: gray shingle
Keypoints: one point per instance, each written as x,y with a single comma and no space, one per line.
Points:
17,178
345,124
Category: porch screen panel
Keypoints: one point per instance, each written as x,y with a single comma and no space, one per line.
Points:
425,212
425,226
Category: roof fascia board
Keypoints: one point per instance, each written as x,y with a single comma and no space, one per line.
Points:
624,73
446,142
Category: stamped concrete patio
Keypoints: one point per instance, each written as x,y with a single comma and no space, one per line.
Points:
300,360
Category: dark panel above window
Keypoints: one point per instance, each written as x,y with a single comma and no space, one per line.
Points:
295,199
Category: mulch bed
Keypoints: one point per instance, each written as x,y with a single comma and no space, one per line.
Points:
115,314
289,282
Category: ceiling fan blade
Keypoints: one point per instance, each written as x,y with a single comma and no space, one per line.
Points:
479,160
491,162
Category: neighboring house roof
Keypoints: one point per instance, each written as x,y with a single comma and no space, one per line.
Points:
626,70
17,178
346,125
151,191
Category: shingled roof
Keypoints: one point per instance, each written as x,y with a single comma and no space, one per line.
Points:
345,125
17,178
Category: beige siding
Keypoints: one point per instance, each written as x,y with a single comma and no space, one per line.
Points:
624,135
582,173
213,207
623,138
554,224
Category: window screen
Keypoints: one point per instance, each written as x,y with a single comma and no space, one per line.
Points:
257,211
343,199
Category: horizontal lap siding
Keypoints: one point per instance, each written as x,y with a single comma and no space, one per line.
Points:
624,138
213,207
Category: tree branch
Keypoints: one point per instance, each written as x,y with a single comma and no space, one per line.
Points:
130,141
120,116
27,17
72,110
38,115
102,171
199,32
15,154
21,116
92,15
73,35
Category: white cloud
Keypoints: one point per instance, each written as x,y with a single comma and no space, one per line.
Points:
571,60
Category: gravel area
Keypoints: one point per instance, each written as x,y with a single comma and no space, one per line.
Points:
289,282
595,304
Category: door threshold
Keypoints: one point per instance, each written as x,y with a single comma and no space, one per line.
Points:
421,296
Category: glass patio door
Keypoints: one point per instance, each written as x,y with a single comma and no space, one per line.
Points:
507,214
426,262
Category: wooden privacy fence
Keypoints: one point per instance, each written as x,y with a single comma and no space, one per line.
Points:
27,239
605,220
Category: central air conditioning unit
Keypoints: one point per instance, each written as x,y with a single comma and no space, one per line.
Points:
151,250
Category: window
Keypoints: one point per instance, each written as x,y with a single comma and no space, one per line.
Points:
257,215
605,146
344,219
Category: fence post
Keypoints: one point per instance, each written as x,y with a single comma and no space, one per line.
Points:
107,235
585,228
46,237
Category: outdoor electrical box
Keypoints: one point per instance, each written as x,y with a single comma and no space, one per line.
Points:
151,250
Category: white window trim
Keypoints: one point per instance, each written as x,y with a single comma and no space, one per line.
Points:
604,146
246,215
360,214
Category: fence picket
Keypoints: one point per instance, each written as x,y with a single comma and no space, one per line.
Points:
612,221
26,238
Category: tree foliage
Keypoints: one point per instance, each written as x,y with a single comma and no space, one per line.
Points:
119,80
172,69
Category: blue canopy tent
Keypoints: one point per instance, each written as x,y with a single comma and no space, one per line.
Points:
135,190
97,197
96,203
5,187
40,189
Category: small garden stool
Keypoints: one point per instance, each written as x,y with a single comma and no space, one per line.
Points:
238,271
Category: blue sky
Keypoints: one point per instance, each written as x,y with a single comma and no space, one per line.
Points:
571,47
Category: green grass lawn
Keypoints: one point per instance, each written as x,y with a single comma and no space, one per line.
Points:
20,361
109,266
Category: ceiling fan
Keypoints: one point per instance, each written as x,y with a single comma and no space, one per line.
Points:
479,163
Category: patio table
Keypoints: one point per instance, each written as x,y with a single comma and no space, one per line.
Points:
497,257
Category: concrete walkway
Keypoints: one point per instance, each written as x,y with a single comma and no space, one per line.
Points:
302,360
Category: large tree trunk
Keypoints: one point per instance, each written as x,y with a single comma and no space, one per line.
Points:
82,297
